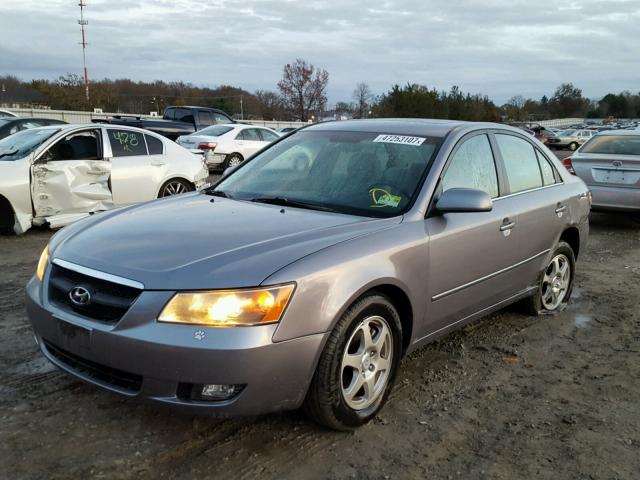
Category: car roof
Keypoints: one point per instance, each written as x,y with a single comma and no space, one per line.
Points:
626,133
400,126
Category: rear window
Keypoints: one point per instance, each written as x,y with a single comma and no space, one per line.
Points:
613,145
215,131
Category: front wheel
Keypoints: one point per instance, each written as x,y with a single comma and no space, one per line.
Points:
555,284
357,368
174,186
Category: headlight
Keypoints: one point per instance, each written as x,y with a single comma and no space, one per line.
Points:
42,263
228,308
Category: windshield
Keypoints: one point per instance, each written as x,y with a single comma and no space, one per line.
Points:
613,145
214,131
360,173
19,145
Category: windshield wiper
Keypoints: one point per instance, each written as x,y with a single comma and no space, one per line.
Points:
11,151
286,202
217,193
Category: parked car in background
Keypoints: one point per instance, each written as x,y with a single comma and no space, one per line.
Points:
228,145
175,121
609,164
6,113
57,174
571,139
296,282
284,130
11,125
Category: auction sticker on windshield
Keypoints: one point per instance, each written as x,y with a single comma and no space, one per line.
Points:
400,139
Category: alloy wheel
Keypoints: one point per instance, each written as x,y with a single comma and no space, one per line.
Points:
555,282
173,188
366,363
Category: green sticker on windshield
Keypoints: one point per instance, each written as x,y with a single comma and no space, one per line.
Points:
382,198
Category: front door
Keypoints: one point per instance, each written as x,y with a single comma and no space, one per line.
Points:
471,255
72,176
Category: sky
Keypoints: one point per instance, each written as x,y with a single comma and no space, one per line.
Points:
500,48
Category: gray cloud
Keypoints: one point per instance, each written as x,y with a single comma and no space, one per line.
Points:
501,48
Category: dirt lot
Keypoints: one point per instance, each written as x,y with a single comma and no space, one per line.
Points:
508,397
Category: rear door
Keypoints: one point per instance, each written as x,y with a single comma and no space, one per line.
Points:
135,174
538,200
72,176
267,136
249,141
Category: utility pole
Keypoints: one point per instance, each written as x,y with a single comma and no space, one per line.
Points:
83,23
241,109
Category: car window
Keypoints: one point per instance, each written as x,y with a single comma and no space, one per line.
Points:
14,129
154,145
184,115
613,145
549,174
252,134
472,166
83,145
220,118
267,135
520,162
215,130
360,173
15,147
205,117
170,114
126,143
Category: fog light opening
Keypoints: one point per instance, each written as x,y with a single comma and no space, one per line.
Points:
209,392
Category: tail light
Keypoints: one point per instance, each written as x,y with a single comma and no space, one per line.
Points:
568,165
207,146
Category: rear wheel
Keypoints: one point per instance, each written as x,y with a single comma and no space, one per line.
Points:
357,368
234,160
175,186
573,146
555,284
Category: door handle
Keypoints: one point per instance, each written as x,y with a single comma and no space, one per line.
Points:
561,209
507,226
158,163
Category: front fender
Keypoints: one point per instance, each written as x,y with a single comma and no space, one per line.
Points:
330,280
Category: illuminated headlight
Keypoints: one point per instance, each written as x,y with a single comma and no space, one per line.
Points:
42,263
228,308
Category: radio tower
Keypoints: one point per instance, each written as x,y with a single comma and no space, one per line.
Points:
82,22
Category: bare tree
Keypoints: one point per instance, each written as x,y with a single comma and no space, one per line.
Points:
362,96
270,104
303,88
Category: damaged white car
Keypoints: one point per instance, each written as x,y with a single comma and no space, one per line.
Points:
58,174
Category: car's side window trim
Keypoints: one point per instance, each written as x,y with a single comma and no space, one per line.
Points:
99,138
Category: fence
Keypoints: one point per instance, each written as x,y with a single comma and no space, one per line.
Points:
86,117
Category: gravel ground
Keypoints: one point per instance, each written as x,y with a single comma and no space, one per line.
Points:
510,396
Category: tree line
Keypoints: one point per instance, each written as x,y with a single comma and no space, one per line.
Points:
301,95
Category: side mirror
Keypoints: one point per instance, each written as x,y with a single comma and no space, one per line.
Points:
227,171
458,200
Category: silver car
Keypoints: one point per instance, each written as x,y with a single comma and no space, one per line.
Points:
571,139
306,274
610,166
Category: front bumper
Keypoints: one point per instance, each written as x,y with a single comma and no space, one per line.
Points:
624,199
141,358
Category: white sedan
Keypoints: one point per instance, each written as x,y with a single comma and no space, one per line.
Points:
60,173
228,145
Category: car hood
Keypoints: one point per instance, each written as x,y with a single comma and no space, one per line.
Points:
196,241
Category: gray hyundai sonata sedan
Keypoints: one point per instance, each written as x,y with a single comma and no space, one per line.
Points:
305,275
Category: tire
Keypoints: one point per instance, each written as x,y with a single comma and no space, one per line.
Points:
553,292
234,160
573,146
349,366
174,186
